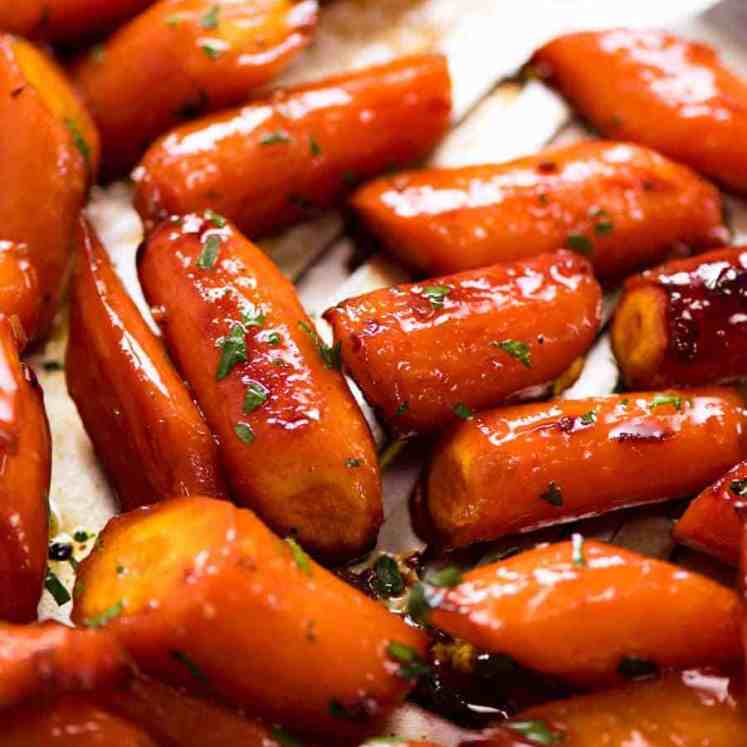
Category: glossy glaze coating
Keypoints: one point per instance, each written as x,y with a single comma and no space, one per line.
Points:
421,352
69,722
623,206
19,287
66,20
684,322
182,57
136,409
690,709
577,610
25,468
48,659
250,616
711,523
654,88
518,468
278,161
50,148
294,445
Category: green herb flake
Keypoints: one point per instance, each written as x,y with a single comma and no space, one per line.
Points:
78,140
402,409
274,338
536,732
516,349
53,366
209,253
56,588
411,664
419,604
284,739
637,668
253,319
577,543
244,433
553,495
314,148
273,138
738,488
341,711
254,397
173,20
387,581
462,411
353,463
447,577
190,665
212,50
436,294
215,218
299,556
662,400
604,224
577,242
105,617
98,52
210,19
233,351
81,535
390,452
588,418
330,355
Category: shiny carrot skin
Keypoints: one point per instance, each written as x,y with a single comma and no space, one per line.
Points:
687,709
48,659
182,57
294,444
136,409
20,295
26,455
591,613
69,722
519,468
657,89
275,162
66,20
319,655
684,322
624,206
50,148
425,354
711,523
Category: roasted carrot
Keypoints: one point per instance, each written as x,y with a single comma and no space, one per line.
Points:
711,523
202,594
688,709
133,404
69,722
657,89
294,445
66,20
684,322
277,161
519,468
20,296
48,659
623,206
591,613
48,154
427,353
182,57
26,454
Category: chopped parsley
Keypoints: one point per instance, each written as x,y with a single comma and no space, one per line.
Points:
314,148
579,243
254,397
462,411
436,294
447,577
105,617
577,542
233,351
173,20
209,253
553,495
299,556
636,668
78,140
402,409
210,19
244,433
53,366
588,418
330,355
56,588
387,581
662,400
353,463
536,731
739,488
418,603
274,338
284,739
411,664
272,138
215,218
98,52
81,535
516,349
193,669
212,50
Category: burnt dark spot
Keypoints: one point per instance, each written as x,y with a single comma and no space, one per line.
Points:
547,167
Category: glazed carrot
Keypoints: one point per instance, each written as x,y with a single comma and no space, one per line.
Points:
623,206
684,322
133,404
45,659
209,598
277,161
519,468
19,287
66,20
294,445
689,709
657,89
48,153
427,353
711,523
181,57
26,454
69,722
591,613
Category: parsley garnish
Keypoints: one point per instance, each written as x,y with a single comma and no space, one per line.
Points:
173,20
254,397
55,587
81,535
212,50
273,138
215,218
98,52
388,581
209,253
210,19
233,350
273,338
53,366
661,400
282,737
330,355
636,668
194,670
299,556
353,463
447,577
436,294
588,418
579,243
411,664
577,542
553,495
314,148
536,731
244,432
462,411
739,488
402,409
78,140
516,349
105,617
